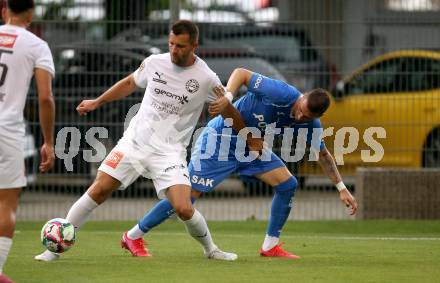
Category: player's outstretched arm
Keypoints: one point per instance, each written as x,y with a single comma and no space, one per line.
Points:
328,164
46,109
121,89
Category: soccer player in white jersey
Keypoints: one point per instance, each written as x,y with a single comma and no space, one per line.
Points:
177,85
22,55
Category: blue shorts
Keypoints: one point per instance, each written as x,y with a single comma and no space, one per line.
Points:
207,173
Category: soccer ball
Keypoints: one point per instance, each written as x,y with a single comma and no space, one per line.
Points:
58,235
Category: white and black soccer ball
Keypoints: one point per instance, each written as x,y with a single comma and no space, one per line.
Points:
58,235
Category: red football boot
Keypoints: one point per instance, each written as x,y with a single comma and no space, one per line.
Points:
277,251
135,247
5,279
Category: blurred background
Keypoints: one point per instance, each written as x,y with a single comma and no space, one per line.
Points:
379,59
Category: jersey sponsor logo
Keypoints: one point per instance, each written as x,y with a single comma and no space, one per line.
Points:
182,99
113,159
7,40
260,118
258,81
158,79
202,181
166,107
192,85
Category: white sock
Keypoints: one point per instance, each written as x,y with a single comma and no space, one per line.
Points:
198,229
81,210
135,233
270,242
5,246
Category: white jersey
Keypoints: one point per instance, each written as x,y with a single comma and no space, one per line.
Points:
20,53
172,103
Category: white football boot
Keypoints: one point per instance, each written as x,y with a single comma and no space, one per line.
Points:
220,255
47,256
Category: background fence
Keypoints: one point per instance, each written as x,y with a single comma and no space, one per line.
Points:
309,44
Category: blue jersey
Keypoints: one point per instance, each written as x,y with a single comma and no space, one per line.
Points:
269,101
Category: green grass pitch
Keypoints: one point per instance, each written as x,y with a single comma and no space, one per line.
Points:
332,251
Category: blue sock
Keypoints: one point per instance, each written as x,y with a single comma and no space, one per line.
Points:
281,206
158,214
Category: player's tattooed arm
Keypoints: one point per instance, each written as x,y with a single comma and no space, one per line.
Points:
328,164
224,107
254,144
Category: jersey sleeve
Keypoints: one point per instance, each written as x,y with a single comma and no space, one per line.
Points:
44,59
273,91
315,132
214,81
141,74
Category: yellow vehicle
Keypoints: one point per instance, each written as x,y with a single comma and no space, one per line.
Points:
393,103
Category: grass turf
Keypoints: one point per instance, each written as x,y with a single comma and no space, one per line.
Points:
332,251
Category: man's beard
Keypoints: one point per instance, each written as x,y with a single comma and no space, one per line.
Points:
179,61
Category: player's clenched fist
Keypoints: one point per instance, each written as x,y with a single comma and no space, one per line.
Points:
86,106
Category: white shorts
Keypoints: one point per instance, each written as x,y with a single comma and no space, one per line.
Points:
127,161
12,169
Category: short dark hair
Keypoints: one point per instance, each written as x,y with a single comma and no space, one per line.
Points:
20,6
186,27
318,101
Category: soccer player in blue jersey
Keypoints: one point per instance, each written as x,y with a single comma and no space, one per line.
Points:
267,102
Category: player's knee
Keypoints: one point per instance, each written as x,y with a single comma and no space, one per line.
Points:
287,187
101,189
185,212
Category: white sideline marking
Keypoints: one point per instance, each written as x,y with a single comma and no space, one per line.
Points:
350,238
368,238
